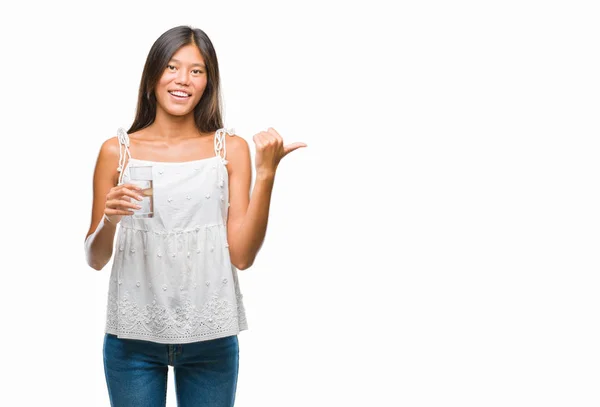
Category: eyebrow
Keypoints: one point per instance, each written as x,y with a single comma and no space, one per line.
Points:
178,61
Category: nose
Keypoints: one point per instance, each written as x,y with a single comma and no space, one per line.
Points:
182,77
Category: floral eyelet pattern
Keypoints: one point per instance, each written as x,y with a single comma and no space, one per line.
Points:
172,279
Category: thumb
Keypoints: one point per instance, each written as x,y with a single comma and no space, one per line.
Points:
291,147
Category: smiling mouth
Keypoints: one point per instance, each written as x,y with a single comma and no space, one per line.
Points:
180,94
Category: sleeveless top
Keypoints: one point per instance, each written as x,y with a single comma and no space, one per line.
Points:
172,280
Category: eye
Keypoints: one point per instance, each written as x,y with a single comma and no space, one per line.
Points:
196,71
171,67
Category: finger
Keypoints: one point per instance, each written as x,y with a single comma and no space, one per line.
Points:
119,212
131,186
291,147
274,132
266,139
120,204
259,139
119,191
128,204
116,198
130,193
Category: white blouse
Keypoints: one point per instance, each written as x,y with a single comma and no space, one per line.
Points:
172,280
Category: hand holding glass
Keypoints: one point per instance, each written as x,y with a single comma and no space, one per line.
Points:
142,177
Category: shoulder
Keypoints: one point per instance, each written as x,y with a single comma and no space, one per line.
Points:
108,158
238,149
110,147
109,151
236,144
238,153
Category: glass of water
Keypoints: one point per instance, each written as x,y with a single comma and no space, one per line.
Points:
142,177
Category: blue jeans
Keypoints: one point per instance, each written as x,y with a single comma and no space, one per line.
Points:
205,372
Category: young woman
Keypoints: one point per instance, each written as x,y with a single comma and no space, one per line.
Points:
174,297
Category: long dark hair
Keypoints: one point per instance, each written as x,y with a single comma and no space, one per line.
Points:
207,113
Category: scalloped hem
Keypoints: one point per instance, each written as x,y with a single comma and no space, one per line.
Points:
174,339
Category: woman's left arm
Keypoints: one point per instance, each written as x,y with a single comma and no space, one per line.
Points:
248,216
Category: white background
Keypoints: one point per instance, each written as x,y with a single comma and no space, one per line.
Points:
435,245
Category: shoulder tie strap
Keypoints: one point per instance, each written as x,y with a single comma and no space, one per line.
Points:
123,138
220,147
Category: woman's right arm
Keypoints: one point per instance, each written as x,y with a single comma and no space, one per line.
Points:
111,202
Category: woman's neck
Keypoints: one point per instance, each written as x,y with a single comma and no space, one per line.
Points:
172,127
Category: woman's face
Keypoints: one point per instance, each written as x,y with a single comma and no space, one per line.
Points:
182,84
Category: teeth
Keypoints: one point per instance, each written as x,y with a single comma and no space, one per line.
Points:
177,93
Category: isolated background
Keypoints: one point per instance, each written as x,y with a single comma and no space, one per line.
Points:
435,245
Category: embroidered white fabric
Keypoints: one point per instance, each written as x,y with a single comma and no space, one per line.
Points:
172,280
